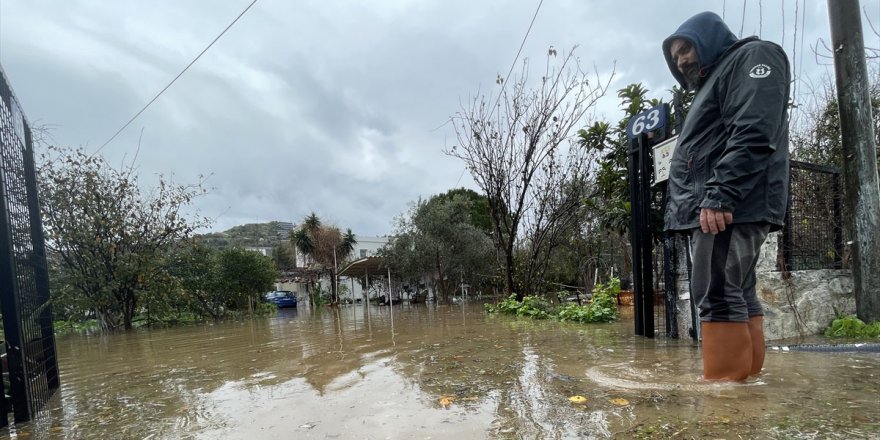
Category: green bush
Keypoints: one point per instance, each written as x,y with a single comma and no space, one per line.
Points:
852,327
602,308
531,306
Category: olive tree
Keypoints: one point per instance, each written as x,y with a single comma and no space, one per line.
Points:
440,239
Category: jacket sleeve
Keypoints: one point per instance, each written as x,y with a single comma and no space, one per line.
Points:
754,99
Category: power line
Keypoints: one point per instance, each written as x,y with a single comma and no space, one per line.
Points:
803,29
742,22
760,18
783,24
175,79
459,177
516,58
509,72
794,44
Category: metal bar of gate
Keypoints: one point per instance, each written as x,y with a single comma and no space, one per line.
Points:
647,244
669,279
635,233
640,235
41,272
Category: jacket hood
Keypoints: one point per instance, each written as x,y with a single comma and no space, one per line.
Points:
709,36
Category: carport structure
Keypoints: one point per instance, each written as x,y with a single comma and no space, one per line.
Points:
367,268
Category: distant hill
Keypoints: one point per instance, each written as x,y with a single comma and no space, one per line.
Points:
250,235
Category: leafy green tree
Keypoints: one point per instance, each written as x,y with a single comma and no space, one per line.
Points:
107,236
479,215
609,202
244,275
611,193
438,238
194,267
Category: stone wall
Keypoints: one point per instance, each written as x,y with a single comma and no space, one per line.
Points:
804,304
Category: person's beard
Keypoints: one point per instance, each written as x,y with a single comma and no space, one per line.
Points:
692,76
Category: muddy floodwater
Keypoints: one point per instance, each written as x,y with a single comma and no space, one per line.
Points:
437,372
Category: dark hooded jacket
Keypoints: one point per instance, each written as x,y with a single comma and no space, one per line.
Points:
732,152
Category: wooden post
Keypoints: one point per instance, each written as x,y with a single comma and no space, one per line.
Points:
859,153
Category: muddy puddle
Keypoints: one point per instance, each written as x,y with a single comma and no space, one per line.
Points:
437,372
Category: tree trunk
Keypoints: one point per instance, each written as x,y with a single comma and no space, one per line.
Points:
441,282
334,293
129,308
509,272
105,319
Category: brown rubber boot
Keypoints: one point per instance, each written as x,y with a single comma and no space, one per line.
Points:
727,350
756,330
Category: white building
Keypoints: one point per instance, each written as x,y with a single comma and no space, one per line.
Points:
366,246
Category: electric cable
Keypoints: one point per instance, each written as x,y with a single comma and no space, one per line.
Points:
173,80
516,58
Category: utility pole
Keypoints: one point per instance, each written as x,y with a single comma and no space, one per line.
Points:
859,153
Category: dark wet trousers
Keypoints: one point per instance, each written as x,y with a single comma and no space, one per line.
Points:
723,276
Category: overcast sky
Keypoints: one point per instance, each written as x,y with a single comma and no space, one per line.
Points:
330,106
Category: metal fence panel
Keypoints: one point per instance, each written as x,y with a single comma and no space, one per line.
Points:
813,236
24,281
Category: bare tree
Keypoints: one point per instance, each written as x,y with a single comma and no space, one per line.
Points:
519,152
324,247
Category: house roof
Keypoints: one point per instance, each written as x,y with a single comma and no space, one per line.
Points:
372,266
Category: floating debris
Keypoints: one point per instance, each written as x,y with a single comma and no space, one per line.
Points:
578,400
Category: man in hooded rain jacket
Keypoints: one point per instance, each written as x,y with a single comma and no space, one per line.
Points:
728,183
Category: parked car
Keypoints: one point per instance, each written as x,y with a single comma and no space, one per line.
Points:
281,298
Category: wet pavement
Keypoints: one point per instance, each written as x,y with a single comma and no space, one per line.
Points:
437,372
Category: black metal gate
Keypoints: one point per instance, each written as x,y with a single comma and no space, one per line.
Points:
24,280
654,254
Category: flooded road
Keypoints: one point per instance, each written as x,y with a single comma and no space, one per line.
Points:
437,372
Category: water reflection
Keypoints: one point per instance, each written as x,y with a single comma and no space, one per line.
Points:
430,371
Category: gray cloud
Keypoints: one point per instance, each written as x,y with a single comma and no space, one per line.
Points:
326,106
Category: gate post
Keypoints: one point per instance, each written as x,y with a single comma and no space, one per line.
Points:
640,234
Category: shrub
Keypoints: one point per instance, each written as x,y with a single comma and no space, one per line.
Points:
852,327
602,308
531,306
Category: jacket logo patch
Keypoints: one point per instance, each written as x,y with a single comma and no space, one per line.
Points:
760,71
